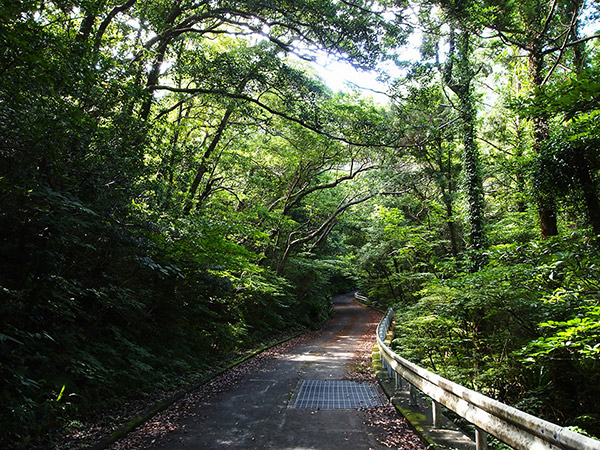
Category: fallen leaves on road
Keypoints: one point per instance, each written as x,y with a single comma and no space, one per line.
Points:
84,435
392,428
361,368
395,431
171,418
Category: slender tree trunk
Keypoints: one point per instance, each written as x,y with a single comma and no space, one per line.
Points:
203,164
588,186
447,188
152,80
451,224
169,165
107,20
541,127
391,287
87,24
154,74
520,179
572,11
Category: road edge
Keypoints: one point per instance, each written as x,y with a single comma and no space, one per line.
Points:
418,414
161,406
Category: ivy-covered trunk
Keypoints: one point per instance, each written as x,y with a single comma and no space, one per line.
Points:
458,75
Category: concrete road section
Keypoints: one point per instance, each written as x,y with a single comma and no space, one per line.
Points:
259,414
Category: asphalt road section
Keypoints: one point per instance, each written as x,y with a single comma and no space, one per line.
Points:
262,411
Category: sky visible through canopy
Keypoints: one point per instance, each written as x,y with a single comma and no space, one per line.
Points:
343,76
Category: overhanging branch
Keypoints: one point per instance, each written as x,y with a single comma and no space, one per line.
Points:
571,44
238,96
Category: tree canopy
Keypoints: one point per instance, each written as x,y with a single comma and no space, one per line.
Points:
178,185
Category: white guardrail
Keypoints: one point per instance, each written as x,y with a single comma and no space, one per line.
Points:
360,298
513,427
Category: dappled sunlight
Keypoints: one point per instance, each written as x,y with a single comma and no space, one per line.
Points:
324,358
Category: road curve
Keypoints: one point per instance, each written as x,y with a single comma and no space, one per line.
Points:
255,413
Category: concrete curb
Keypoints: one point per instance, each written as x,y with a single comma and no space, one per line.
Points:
151,412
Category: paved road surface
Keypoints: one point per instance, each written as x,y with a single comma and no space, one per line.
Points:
256,415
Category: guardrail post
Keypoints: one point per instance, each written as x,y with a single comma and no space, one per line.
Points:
436,412
413,395
398,381
480,439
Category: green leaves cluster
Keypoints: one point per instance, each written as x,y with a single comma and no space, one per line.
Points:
169,175
497,145
523,329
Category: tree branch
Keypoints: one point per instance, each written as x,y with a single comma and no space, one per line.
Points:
302,194
313,234
312,127
571,44
548,19
108,19
563,47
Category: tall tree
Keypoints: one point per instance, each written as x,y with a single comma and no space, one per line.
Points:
458,76
541,30
430,129
459,72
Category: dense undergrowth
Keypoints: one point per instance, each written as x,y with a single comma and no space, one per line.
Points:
97,313
145,237
524,329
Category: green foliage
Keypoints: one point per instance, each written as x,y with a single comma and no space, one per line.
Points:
174,188
398,257
580,335
154,163
313,288
575,97
513,328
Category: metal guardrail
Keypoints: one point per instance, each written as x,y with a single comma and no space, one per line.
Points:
516,428
360,298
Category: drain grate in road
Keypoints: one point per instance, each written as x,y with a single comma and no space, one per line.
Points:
335,394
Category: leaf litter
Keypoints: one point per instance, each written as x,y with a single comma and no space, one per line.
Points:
391,428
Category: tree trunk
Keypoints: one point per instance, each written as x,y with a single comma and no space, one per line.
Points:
459,76
451,225
152,80
203,164
545,200
154,74
107,20
588,186
87,24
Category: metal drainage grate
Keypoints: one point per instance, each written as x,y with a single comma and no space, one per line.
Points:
335,394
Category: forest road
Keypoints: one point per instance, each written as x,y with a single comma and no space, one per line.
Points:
259,412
